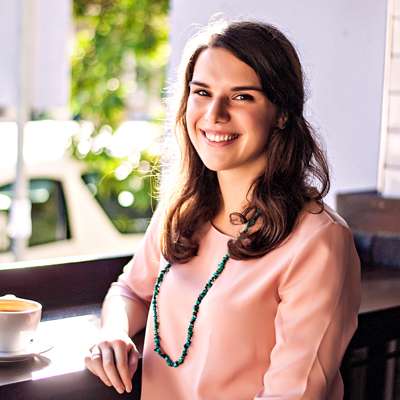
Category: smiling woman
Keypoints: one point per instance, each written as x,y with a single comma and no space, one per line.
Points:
248,285
229,117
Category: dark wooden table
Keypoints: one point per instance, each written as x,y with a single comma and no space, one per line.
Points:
60,372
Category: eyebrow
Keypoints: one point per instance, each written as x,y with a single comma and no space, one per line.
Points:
233,89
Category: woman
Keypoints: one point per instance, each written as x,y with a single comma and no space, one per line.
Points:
249,284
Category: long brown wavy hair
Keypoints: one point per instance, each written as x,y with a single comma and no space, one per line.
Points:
297,170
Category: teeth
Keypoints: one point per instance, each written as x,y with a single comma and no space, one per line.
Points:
219,138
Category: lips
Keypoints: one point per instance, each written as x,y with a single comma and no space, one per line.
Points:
219,138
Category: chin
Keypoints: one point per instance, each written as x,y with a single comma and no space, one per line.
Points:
211,167
216,167
218,164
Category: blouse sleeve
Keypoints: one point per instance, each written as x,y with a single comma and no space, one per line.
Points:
316,317
139,275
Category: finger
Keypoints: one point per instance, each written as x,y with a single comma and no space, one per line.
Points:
95,365
121,361
110,368
133,358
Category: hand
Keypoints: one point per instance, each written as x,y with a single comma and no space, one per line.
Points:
114,360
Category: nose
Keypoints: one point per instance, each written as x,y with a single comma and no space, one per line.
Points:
217,110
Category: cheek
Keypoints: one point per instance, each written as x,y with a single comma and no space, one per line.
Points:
190,119
189,116
262,123
194,110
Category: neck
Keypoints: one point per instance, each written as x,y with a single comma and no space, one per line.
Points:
235,193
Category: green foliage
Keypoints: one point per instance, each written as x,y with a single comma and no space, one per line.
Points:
141,183
120,45
120,51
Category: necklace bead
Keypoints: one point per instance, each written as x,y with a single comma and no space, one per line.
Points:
196,308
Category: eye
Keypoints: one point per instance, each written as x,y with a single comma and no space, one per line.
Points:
244,97
201,92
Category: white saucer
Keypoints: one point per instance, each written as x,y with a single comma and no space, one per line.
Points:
34,348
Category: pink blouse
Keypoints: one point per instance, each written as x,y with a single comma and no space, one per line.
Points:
271,328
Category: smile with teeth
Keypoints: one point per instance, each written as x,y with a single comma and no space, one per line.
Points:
219,138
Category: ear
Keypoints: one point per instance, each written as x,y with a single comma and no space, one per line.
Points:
281,120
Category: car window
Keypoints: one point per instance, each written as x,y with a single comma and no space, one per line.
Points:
49,213
128,204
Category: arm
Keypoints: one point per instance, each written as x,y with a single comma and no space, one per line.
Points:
113,357
316,317
123,314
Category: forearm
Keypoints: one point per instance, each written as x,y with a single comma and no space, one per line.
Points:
122,313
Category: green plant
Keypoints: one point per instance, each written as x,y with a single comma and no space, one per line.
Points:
120,54
121,48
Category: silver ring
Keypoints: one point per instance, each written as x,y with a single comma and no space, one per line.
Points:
95,354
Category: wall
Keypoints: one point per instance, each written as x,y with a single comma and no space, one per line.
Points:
342,46
50,26
389,182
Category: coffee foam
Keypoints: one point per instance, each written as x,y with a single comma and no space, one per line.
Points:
16,306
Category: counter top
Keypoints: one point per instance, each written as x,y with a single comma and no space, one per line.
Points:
380,290
61,370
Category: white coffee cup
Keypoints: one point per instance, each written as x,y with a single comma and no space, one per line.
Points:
19,319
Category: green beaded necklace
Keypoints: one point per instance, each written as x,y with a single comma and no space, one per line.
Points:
196,307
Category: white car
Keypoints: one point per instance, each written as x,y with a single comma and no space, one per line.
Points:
67,220
67,217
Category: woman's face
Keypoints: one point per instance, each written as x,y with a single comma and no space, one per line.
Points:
228,117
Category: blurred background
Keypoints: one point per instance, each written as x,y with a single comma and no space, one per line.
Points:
82,111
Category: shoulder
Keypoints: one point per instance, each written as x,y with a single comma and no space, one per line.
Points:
154,230
317,226
315,218
321,243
